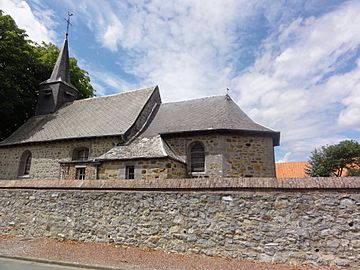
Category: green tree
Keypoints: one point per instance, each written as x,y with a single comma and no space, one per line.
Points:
19,70
354,172
331,160
23,65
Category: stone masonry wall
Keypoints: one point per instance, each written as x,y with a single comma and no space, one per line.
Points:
278,226
226,156
231,155
249,156
46,156
163,168
214,148
68,171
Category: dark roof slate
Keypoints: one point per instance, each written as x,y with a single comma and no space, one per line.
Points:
211,113
61,70
151,147
93,117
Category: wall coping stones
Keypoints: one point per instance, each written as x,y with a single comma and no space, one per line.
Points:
190,184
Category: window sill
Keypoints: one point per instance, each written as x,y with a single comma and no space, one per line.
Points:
27,176
197,174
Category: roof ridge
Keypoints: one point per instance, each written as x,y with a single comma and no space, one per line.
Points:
118,94
194,99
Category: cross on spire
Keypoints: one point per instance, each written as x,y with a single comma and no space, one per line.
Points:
68,23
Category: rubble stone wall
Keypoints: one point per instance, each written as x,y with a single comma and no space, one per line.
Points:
230,155
249,156
68,171
160,168
277,226
213,144
46,156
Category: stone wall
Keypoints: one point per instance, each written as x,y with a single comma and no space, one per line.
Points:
68,170
249,156
164,168
214,148
299,225
230,155
46,156
226,156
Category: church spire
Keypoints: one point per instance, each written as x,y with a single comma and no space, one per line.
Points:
61,71
57,90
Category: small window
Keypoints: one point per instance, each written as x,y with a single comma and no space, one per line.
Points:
80,174
130,172
197,157
25,163
81,153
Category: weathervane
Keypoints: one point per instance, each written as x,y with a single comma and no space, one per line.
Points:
68,23
227,97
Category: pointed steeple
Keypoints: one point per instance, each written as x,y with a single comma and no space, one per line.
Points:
57,90
61,71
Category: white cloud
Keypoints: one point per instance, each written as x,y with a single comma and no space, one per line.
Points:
38,25
183,46
295,86
285,158
112,34
105,82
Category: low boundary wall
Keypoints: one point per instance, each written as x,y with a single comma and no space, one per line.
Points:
311,220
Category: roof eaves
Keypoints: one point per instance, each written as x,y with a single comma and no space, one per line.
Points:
59,140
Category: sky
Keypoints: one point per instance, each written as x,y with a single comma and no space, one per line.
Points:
292,66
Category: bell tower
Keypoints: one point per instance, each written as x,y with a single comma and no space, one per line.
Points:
57,90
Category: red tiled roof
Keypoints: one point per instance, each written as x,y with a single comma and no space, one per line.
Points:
291,169
297,169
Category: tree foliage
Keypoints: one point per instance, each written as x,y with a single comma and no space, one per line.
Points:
354,172
331,160
23,65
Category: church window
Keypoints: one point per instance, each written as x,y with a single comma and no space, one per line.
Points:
81,153
129,172
197,157
25,163
80,174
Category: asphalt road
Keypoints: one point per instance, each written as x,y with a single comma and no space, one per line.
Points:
11,264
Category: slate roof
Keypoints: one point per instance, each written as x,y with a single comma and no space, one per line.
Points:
153,147
61,70
92,117
211,113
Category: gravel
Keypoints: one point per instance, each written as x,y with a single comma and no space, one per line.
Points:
132,258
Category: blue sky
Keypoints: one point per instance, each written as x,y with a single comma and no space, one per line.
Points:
293,66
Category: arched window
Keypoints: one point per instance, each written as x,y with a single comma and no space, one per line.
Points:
25,163
197,157
81,153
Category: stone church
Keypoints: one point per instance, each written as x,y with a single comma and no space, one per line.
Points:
133,135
